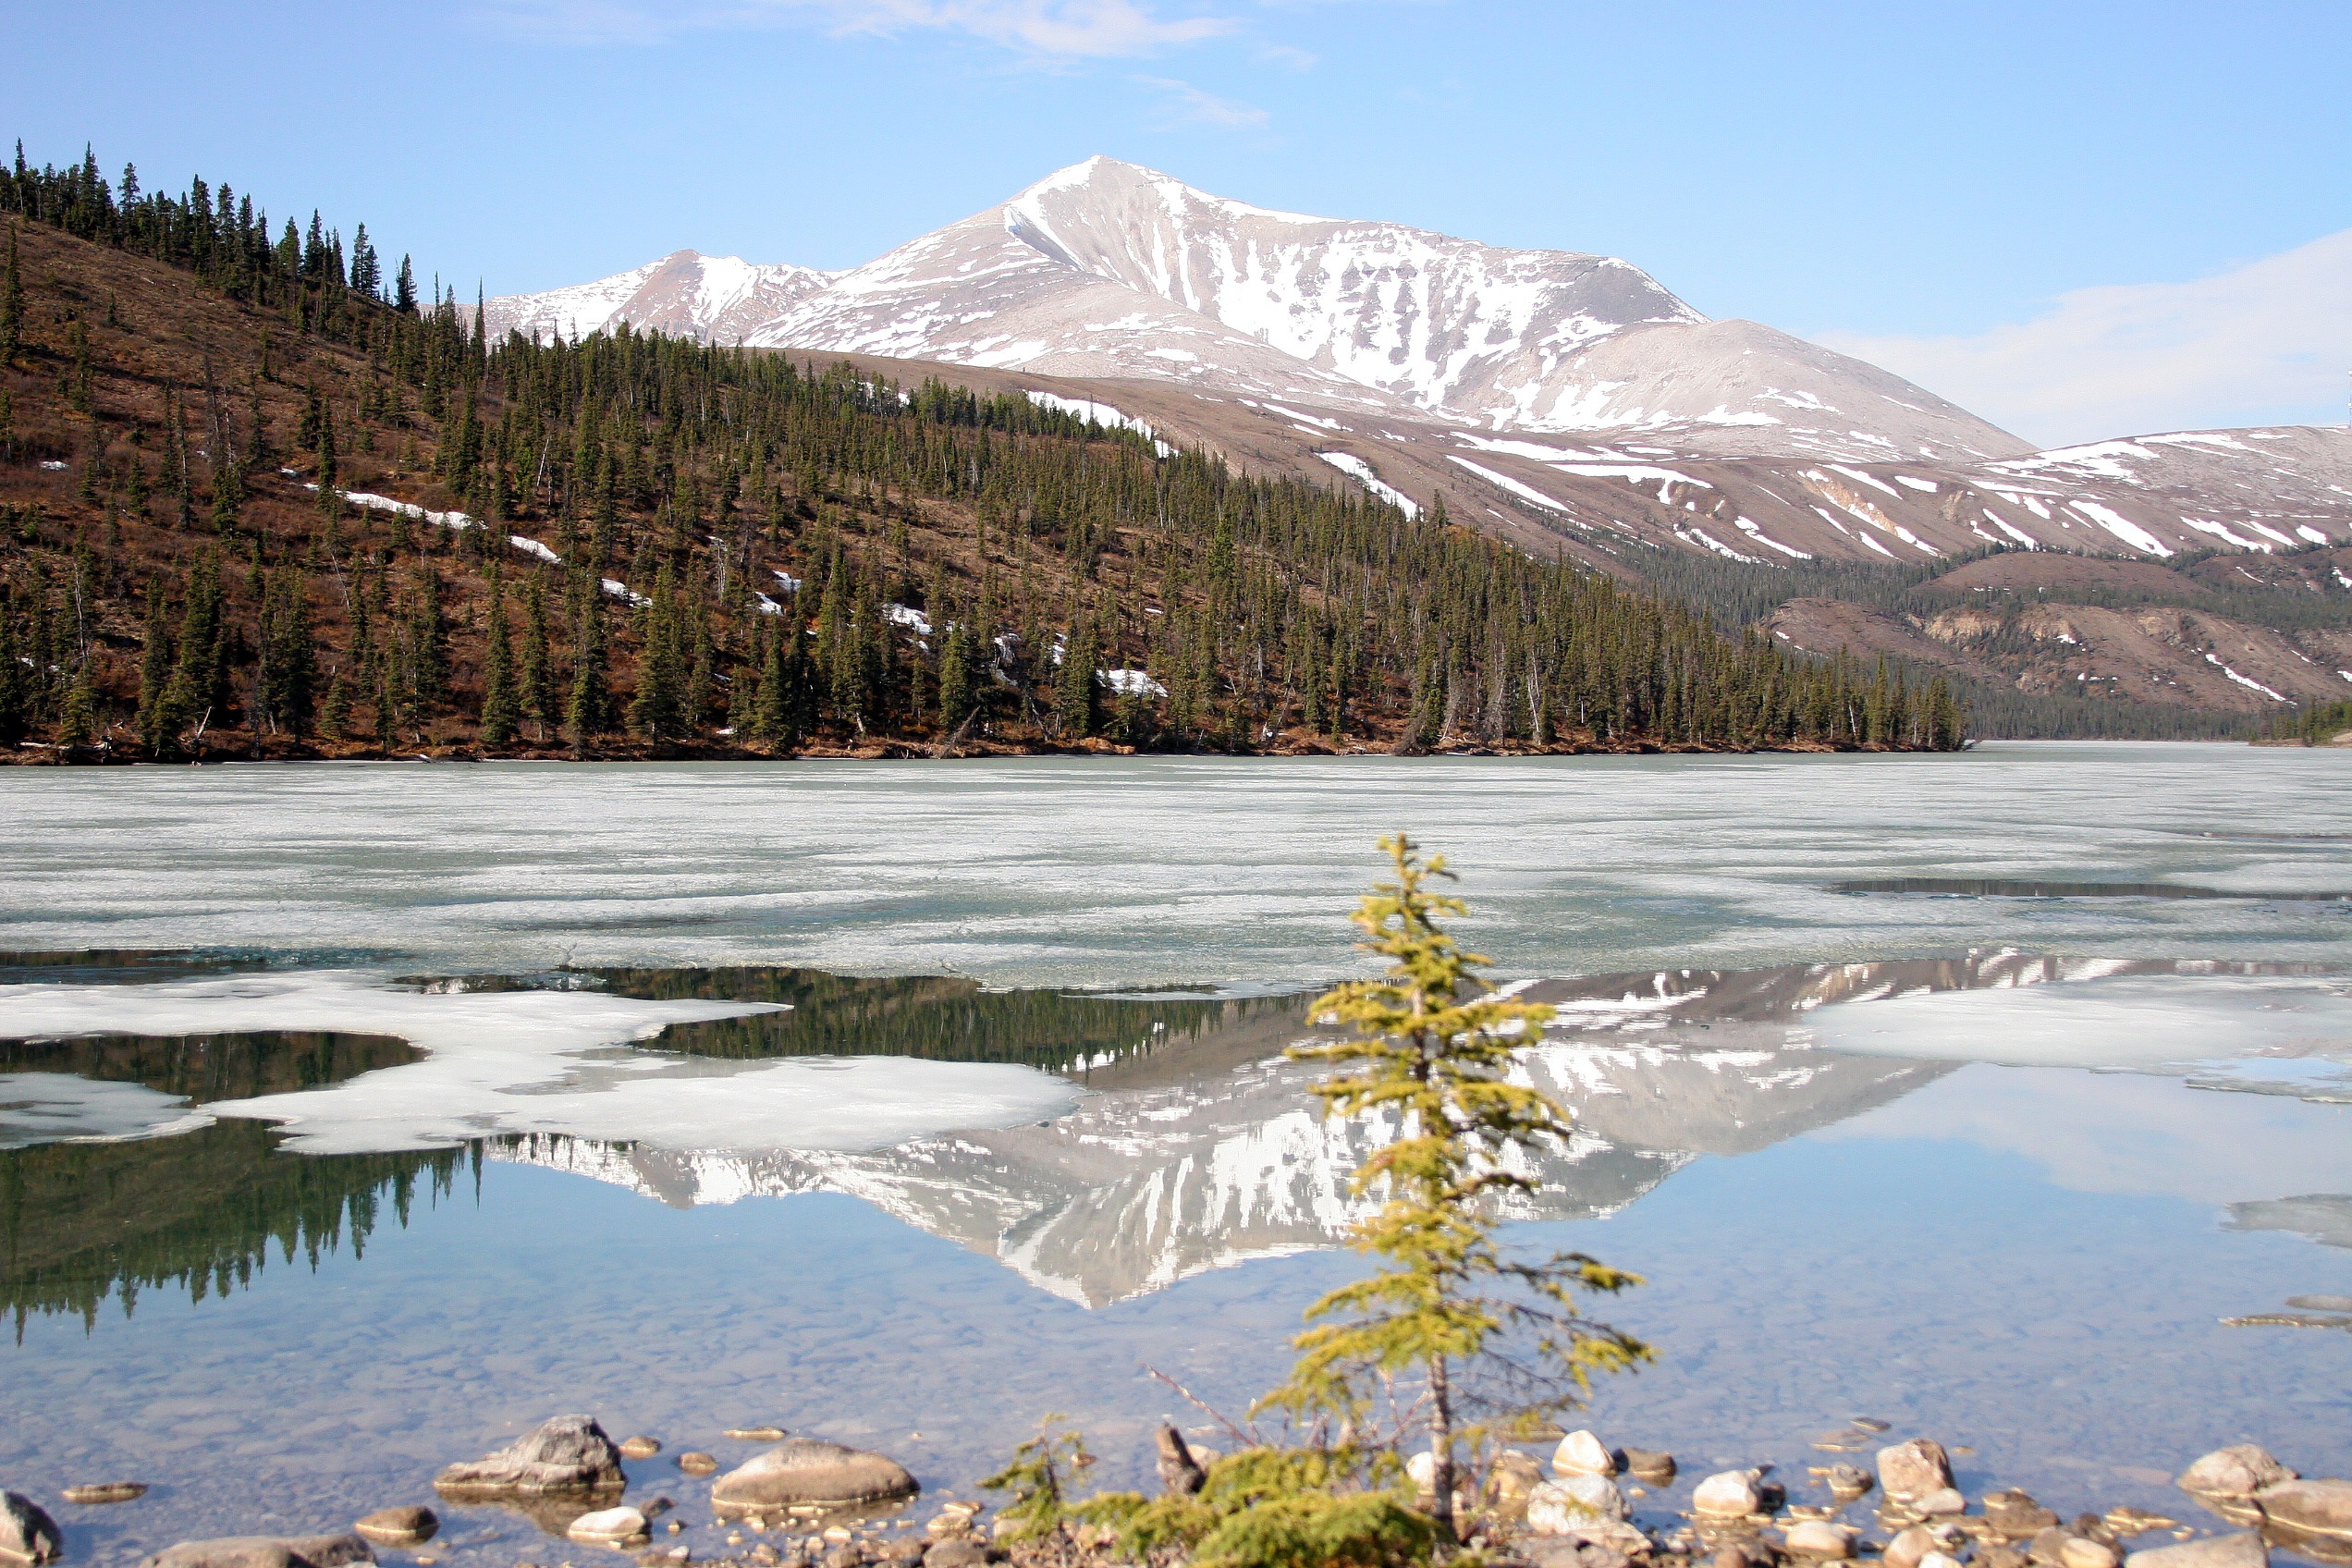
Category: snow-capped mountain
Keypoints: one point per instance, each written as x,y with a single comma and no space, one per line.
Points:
1108,271
1559,399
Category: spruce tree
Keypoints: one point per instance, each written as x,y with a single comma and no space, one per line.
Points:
16,694
78,722
499,716
587,714
539,691
155,675
11,304
1078,697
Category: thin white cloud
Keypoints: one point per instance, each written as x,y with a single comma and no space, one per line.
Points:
1190,105
2266,343
1055,29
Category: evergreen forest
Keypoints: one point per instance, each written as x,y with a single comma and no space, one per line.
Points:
262,495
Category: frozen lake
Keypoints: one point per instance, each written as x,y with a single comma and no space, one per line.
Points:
1970,1093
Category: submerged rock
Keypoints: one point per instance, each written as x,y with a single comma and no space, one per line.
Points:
1845,1480
97,1492
811,1471
694,1461
1916,1468
2242,1550
765,1433
1656,1469
263,1551
570,1454
1943,1501
399,1526
640,1446
27,1534
2314,1516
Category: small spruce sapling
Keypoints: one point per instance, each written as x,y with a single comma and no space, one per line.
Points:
1477,1327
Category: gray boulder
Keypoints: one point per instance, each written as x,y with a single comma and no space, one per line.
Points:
27,1535
2243,1550
264,1551
810,1472
1913,1469
959,1552
570,1454
2313,1516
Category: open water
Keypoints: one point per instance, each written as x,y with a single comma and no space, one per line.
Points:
904,1104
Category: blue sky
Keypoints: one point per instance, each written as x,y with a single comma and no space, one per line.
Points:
2078,219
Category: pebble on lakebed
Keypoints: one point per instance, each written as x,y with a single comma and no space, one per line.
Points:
96,1493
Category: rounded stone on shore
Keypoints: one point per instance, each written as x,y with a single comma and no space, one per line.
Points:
1916,1468
2077,1551
1910,1547
263,1551
399,1526
1939,1560
27,1533
1561,1507
2240,1470
1941,1503
565,1455
808,1470
97,1492
1729,1494
955,1552
2244,1550
607,1526
1819,1538
1581,1454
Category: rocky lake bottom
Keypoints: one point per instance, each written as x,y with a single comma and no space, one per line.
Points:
355,1119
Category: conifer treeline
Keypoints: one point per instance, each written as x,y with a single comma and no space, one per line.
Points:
667,548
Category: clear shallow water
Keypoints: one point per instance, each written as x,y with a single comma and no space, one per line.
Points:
2030,1259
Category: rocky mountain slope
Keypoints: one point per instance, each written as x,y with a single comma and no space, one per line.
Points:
1540,392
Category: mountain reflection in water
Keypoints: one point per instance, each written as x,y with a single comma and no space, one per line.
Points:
1195,1147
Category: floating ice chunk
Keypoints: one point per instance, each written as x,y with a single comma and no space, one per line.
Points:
544,1061
2143,1022
47,1107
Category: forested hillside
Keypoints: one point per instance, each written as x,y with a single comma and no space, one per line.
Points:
263,499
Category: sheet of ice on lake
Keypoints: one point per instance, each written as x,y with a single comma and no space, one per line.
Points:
2274,1034
537,1061
46,1107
